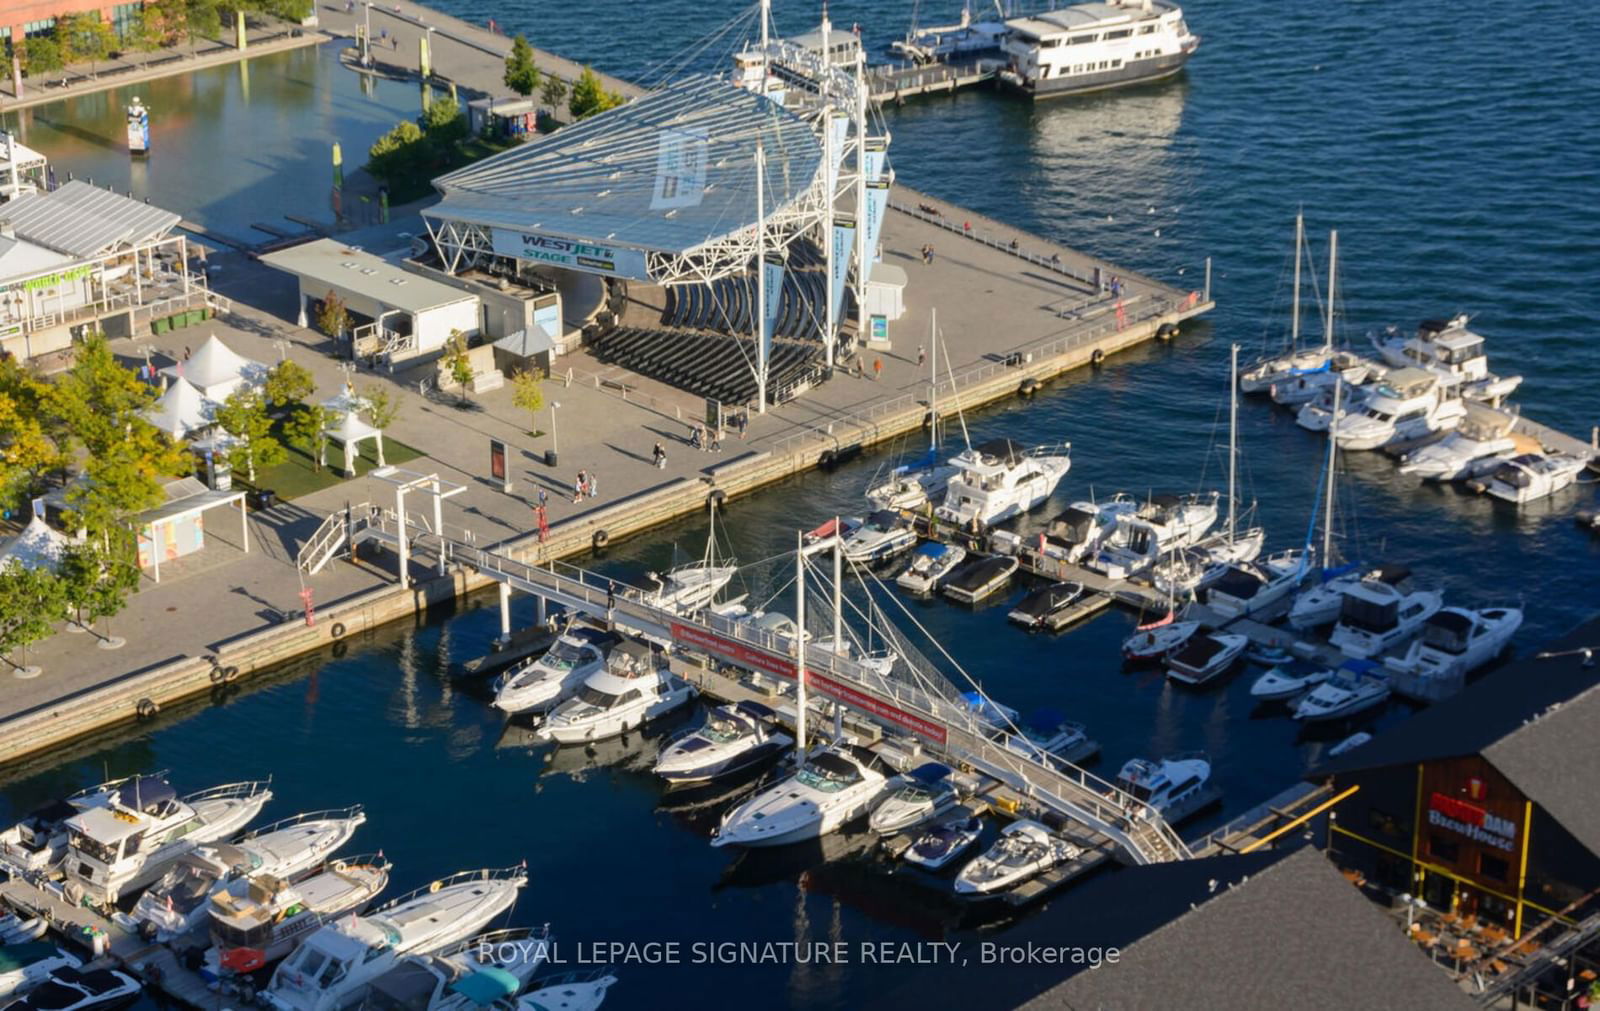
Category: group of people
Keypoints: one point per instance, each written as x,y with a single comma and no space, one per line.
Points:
584,487
927,252
707,438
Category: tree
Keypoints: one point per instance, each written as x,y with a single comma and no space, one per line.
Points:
97,582
380,408
588,97
522,76
28,450
201,18
40,55
458,361
307,427
31,602
98,399
84,37
288,384
527,392
444,127
398,154
555,92
333,317
244,416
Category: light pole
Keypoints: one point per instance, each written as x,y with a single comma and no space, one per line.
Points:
555,447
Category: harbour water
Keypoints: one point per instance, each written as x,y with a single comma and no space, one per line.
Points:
1446,161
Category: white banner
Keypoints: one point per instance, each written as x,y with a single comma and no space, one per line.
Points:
844,239
680,169
773,271
876,156
839,126
588,257
877,204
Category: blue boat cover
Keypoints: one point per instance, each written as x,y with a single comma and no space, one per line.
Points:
1360,667
756,710
933,549
932,772
487,985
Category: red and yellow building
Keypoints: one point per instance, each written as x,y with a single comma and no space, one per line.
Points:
25,19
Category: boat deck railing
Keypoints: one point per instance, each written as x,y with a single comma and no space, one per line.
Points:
490,939
247,789
331,814
516,872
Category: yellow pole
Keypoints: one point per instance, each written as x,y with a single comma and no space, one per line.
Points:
1420,877
1522,870
424,60
239,39
1301,820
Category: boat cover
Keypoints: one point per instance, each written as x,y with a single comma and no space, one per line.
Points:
931,772
487,985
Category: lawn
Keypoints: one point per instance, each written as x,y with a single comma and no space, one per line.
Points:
298,475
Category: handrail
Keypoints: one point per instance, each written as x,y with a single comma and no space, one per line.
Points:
516,872
354,811
490,938
247,788
112,784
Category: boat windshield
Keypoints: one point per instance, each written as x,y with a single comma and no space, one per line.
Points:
1369,615
914,794
597,698
1138,791
228,936
93,848
312,967
564,655
53,996
723,731
829,780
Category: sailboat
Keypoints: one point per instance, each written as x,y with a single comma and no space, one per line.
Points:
688,588
1260,376
1321,604
914,485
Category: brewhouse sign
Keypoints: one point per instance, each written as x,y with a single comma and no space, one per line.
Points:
591,257
1471,821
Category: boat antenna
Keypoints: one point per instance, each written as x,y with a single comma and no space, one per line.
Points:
1294,312
960,414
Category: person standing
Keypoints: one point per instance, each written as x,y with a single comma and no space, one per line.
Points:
659,455
877,369
716,439
922,356
544,498
577,487
744,421
593,490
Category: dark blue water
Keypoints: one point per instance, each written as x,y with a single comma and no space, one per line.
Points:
1455,166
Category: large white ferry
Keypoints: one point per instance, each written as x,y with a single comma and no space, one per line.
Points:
1091,46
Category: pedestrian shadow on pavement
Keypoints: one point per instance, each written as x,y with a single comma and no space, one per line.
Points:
269,611
630,454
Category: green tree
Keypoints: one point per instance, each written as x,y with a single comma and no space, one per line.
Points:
555,92
201,19
31,602
522,76
612,100
84,37
40,55
444,127
398,154
527,393
380,406
97,582
244,416
98,399
458,362
288,384
28,446
588,97
166,20
332,316
307,427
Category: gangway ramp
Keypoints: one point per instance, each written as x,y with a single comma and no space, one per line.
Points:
945,723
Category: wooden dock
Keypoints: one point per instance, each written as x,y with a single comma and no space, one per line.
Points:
524,643
896,83
1266,821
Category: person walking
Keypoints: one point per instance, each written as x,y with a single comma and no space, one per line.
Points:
744,422
716,439
930,254
593,488
877,369
694,436
659,455
922,356
966,228
577,487
611,598
544,498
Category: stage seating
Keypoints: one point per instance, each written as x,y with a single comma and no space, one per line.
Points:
711,364
728,304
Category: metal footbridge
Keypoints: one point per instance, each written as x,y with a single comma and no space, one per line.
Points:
944,721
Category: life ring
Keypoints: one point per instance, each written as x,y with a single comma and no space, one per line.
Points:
146,708
340,648
217,675
1098,357
717,497
1028,387
600,539
1166,332
337,630
230,673
340,866
827,459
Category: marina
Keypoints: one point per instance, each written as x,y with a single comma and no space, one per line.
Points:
393,616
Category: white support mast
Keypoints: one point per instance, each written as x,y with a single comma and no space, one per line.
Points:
861,198
800,645
762,337
1233,440
1294,311
933,377
831,325
1333,448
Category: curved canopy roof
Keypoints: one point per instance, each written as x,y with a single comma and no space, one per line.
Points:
38,546
215,364
667,172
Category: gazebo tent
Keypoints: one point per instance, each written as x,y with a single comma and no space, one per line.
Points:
38,546
348,429
216,370
181,410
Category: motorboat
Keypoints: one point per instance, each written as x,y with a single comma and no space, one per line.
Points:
130,840
1047,734
1285,681
1175,787
977,578
1024,850
843,526
1041,61
937,846
38,842
733,738
1350,743
257,920
1267,654
992,714
24,966
831,788
1246,589
878,661
1152,642
573,991
1299,389
881,536
1205,657
631,690
913,486
920,795
930,566
1321,604
1532,476
1376,616
15,929
556,676
1185,572
1456,641
1079,530
1477,445
1046,606
1000,479
1408,404
335,964
1355,688
72,989
485,971
1450,349
1180,520
941,43
1317,414
180,901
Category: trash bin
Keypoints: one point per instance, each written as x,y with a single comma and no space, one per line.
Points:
549,458
264,498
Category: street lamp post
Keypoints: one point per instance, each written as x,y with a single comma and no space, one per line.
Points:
555,447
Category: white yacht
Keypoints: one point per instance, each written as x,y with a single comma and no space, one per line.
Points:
1456,641
556,676
1532,476
940,844
881,536
1093,46
1354,689
1296,389
485,971
734,738
1321,604
1047,734
1024,850
1477,445
333,967
930,566
1456,353
940,43
1152,642
1409,403
1316,414
71,989
920,795
912,486
1164,524
1261,377
1000,479
1376,617
257,920
688,588
1175,787
830,789
1205,658
38,842
24,966
1082,527
180,901
633,689
129,842
574,991
1285,681
1247,589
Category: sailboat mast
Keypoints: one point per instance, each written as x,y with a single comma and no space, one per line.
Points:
1333,273
1327,505
838,590
933,378
800,644
1294,312
1233,441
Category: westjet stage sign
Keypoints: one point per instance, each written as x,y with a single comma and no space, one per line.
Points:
589,257
1471,821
